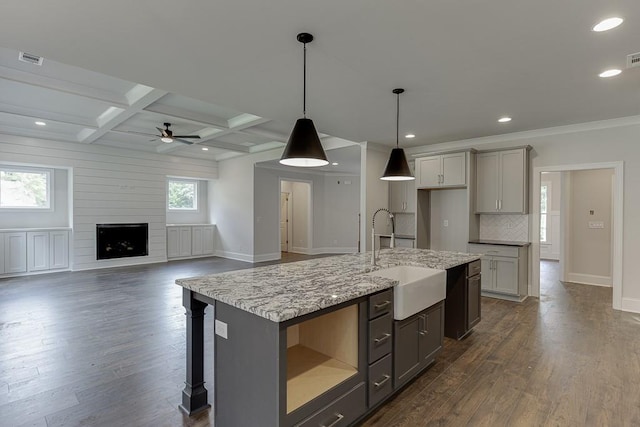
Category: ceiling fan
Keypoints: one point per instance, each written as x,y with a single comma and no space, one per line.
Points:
167,136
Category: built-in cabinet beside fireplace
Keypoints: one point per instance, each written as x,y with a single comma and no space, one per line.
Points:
190,240
33,250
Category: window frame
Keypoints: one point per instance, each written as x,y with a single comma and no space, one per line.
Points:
49,173
195,183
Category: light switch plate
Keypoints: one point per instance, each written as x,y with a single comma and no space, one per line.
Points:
221,329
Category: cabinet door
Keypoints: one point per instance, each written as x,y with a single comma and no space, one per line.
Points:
487,182
454,169
15,252
396,196
58,249
37,250
404,243
2,253
473,301
406,349
207,240
410,196
487,273
185,241
512,181
428,171
506,275
431,333
173,242
197,247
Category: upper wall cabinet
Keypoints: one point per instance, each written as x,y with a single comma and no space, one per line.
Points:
402,196
502,181
445,170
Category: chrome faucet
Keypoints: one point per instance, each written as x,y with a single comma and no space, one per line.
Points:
373,234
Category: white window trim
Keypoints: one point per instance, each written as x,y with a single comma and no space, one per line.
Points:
195,197
50,177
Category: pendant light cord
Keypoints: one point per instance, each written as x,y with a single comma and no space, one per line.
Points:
304,82
398,122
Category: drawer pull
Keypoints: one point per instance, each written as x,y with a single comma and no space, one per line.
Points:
382,339
381,382
335,422
381,305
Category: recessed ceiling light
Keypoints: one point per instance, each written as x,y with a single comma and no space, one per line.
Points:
39,123
335,163
610,73
504,119
205,149
410,135
607,24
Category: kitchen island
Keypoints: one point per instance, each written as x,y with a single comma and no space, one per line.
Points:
310,342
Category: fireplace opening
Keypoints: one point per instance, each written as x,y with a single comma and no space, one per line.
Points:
122,240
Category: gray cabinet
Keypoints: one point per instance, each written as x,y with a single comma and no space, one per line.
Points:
417,341
504,270
402,196
502,181
445,170
462,306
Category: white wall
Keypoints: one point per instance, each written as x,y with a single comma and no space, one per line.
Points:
376,191
57,217
302,217
110,185
199,216
589,256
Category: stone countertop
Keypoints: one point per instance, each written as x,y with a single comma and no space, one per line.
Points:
282,292
499,243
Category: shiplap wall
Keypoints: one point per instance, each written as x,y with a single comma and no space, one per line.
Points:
110,185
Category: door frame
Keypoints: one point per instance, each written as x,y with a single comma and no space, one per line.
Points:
289,220
617,241
309,249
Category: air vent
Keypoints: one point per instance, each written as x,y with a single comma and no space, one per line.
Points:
633,60
31,59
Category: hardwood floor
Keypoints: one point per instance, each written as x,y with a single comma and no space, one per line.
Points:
107,348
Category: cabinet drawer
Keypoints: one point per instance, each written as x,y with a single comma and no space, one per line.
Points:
494,250
380,303
380,337
474,268
341,412
380,382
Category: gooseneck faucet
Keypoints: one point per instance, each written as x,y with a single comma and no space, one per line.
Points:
373,233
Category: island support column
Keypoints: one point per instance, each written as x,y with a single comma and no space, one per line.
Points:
194,395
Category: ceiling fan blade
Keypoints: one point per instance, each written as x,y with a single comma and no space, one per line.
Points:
187,136
163,132
183,141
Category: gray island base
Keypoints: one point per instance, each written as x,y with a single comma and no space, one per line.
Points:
310,343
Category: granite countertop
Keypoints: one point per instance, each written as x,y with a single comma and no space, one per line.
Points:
499,242
284,291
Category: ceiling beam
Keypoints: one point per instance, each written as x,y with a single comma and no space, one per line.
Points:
188,116
44,82
167,148
140,96
49,116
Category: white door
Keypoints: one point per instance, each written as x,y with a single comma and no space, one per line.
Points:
397,196
284,222
512,181
185,241
37,250
487,273
454,169
487,182
506,272
15,252
428,170
207,240
173,242
58,249
197,243
1,253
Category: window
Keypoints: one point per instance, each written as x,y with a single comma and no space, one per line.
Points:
182,195
544,197
25,188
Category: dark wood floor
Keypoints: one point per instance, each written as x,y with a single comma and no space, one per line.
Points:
106,348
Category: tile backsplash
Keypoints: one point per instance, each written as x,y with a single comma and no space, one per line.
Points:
405,224
513,228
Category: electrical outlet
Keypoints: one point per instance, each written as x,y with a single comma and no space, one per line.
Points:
445,223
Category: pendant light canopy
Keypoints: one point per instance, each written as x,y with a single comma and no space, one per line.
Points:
397,167
304,148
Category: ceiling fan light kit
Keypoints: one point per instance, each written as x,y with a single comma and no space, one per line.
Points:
167,136
304,148
397,168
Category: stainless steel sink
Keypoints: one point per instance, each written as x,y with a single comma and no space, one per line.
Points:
418,288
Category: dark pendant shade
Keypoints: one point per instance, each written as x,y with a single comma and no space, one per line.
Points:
304,148
397,167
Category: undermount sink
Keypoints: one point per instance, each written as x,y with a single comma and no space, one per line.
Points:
418,288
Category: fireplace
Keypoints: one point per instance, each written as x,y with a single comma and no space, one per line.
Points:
122,240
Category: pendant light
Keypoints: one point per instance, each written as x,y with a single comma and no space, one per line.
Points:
397,167
304,148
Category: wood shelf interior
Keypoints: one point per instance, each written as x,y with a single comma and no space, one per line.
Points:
321,353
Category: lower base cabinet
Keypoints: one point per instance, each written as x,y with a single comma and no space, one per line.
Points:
188,241
341,412
34,251
418,340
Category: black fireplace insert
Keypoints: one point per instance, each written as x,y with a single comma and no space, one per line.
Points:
122,240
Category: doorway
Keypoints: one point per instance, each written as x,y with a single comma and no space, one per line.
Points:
296,220
585,217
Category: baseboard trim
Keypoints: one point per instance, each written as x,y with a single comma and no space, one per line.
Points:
234,255
303,251
267,257
590,279
631,305
125,264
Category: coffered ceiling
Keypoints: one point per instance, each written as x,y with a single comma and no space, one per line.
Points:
463,64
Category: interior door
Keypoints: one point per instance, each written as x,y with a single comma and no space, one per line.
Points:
284,222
